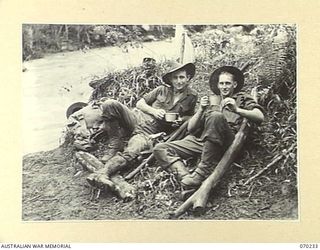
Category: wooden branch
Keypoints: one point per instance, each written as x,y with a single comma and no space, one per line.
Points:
123,189
115,183
143,164
274,161
264,169
199,199
88,161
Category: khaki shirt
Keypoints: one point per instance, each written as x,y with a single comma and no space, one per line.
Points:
162,97
243,101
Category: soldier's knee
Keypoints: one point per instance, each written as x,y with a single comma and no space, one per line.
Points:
109,103
215,117
111,109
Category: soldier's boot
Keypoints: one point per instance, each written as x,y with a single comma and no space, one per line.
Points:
102,176
115,164
178,169
211,155
196,178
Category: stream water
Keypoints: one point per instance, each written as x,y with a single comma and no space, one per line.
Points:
52,83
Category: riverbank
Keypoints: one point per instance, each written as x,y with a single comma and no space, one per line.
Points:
52,83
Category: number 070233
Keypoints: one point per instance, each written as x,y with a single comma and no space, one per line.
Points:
309,245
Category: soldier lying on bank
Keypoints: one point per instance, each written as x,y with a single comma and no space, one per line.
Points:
176,97
211,129
83,120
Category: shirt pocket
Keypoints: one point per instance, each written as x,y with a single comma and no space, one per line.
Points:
184,107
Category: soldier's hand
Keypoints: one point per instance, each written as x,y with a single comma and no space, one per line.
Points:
204,102
159,113
230,103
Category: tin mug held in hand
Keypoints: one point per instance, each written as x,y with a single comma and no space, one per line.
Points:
171,117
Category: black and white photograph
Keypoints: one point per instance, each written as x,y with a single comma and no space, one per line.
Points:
159,122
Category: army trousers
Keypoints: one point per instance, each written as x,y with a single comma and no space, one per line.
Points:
216,131
119,117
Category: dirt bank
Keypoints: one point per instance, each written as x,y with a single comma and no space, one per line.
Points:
55,189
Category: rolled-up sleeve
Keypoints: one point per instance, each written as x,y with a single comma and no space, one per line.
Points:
151,97
247,102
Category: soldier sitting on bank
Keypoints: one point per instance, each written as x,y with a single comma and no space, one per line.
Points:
211,129
175,96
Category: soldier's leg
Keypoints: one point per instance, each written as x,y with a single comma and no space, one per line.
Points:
217,137
116,116
114,110
115,139
170,154
136,144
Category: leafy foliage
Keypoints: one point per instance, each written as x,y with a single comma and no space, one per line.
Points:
39,39
129,85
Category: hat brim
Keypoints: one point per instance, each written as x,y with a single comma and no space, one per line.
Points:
189,67
214,78
75,107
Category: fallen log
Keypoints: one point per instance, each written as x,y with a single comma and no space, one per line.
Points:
116,183
88,161
199,199
125,190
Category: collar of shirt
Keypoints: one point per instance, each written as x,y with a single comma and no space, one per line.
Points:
187,92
